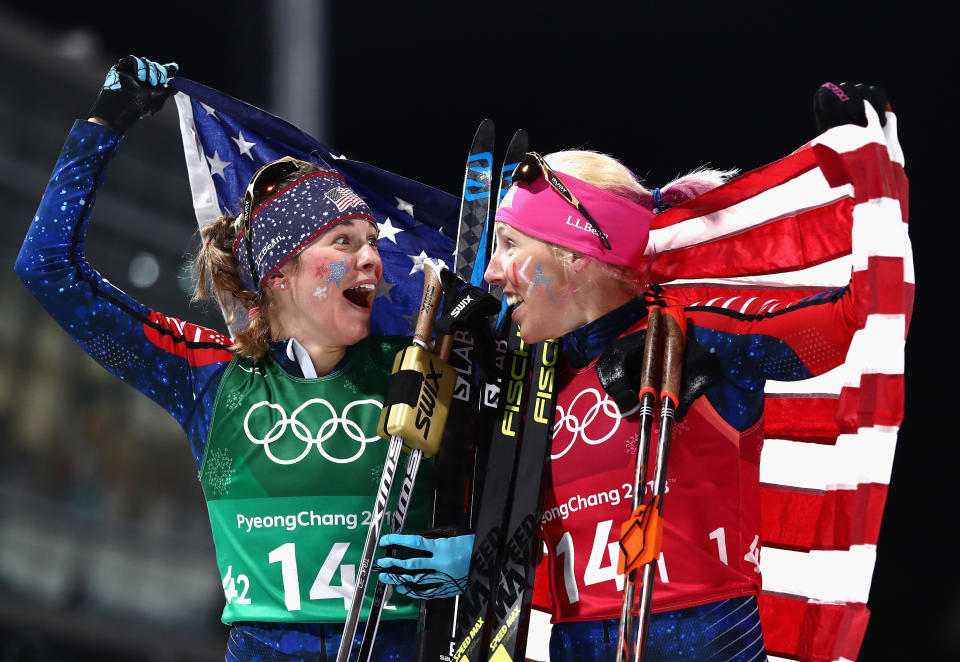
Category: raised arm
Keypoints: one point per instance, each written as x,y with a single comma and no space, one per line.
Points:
164,358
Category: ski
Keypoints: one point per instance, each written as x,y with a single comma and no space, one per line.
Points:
437,637
452,473
495,457
521,540
474,604
516,149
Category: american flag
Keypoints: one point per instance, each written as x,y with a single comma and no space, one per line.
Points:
343,197
834,210
226,140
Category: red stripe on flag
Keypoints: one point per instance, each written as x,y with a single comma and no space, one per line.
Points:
869,169
908,294
804,520
878,288
812,632
878,400
799,418
803,240
739,189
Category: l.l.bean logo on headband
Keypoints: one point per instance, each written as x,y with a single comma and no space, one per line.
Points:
585,226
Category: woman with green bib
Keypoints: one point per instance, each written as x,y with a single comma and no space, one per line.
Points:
281,418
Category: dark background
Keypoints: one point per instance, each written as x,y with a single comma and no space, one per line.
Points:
664,87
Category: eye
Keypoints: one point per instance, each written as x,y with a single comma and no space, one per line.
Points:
372,240
342,240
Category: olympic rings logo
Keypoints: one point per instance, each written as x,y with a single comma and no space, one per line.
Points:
579,427
327,429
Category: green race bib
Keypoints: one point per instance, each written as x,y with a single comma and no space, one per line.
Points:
289,474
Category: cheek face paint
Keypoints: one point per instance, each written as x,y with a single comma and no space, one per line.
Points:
540,279
337,271
320,292
322,271
511,274
523,271
378,272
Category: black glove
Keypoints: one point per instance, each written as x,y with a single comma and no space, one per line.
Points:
466,308
134,88
834,105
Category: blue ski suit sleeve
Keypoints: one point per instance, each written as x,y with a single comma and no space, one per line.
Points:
177,365
793,342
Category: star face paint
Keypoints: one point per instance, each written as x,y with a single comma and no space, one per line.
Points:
533,279
541,279
337,271
314,312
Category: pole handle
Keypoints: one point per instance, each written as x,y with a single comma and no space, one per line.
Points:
674,345
429,303
652,351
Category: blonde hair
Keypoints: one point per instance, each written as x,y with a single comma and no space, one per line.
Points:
607,173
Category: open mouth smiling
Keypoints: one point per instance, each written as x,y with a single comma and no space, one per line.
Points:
361,294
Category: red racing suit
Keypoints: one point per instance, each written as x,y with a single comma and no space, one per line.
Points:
711,513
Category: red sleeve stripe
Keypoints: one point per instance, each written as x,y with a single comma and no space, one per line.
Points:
198,345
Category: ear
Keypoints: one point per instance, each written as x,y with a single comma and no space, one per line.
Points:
579,262
277,281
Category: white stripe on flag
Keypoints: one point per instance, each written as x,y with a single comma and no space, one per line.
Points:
835,273
877,347
827,384
865,457
201,181
893,143
908,275
778,202
877,230
538,636
824,576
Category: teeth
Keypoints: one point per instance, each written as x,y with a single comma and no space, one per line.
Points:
366,288
514,299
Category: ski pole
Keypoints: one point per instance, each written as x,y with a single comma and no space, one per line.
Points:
649,387
383,591
674,325
432,291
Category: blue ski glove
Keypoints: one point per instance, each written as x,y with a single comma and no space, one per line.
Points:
134,88
426,568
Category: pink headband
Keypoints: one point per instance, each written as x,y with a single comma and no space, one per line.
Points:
538,210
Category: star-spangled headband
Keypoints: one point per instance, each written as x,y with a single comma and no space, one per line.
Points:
291,219
540,211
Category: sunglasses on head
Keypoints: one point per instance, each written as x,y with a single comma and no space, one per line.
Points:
532,166
262,184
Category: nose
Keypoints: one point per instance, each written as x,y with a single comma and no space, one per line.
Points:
494,271
368,259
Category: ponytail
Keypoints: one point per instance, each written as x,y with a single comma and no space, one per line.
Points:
689,186
218,278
